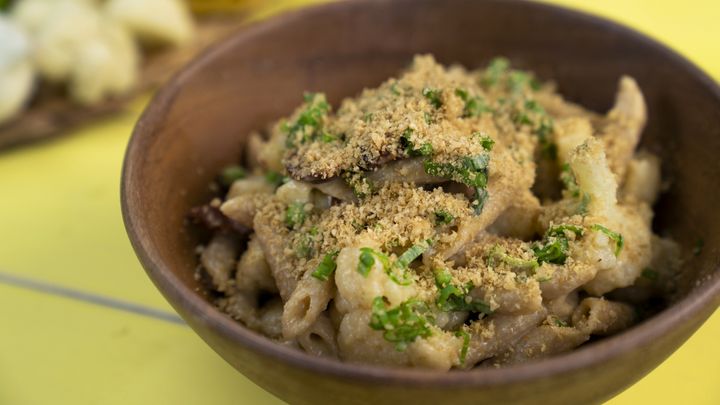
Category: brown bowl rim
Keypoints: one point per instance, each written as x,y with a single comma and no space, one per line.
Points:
183,297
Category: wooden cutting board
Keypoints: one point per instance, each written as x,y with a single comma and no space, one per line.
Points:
52,113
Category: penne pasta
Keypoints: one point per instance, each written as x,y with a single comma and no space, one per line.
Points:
446,219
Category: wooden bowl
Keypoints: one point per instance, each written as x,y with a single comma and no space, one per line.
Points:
198,123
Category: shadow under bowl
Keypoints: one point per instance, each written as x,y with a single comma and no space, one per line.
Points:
198,123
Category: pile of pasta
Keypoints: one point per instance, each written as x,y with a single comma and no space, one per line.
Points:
445,219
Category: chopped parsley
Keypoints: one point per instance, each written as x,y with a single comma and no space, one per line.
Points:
408,146
616,237
559,322
412,253
327,138
554,246
466,344
561,230
543,279
433,96
368,117
485,141
650,274
359,183
403,261
567,177
366,261
403,324
275,178
326,267
394,90
368,256
230,174
309,124
428,118
452,297
697,249
295,215
495,71
474,105
518,81
443,217
498,253
305,247
470,170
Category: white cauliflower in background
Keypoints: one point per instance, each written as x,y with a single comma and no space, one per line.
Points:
77,44
154,22
106,65
16,70
67,26
91,45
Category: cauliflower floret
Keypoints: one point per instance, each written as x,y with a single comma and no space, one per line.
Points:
155,22
66,27
16,71
77,44
631,221
106,65
359,291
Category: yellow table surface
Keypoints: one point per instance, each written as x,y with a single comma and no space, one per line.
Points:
80,323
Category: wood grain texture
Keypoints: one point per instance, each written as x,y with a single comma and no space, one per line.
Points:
198,123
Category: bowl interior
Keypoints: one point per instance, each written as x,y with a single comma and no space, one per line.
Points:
199,122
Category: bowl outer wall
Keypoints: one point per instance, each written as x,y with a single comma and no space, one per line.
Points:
195,125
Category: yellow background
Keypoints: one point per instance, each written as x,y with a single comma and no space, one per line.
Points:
60,223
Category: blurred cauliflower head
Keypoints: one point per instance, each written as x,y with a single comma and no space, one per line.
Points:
16,71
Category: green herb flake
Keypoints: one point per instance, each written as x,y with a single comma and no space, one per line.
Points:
498,254
411,254
543,279
295,215
697,249
394,90
442,277
485,141
562,230
366,261
559,322
304,248
465,346
433,96
327,138
361,186
650,274
401,325
616,237
275,178
470,170
474,105
494,72
554,247
567,178
518,81
230,174
406,143
443,217
428,118
453,297
309,123
368,117
326,267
